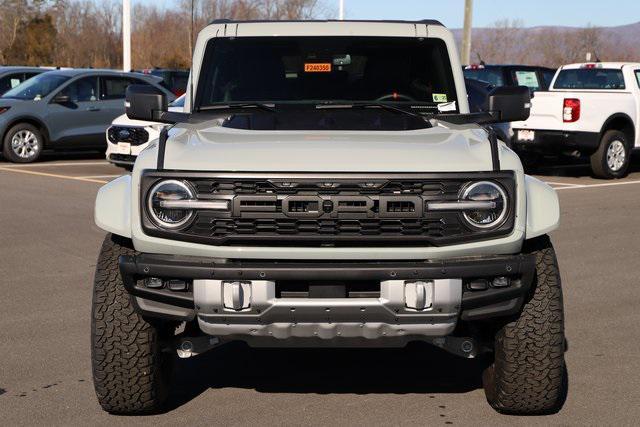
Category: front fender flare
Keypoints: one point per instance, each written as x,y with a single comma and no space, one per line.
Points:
113,207
543,208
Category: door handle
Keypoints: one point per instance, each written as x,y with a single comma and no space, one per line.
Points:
93,109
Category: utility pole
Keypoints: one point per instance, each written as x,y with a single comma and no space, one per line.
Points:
191,34
465,56
341,15
126,35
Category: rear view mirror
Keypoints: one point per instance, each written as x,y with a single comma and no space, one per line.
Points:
509,104
145,103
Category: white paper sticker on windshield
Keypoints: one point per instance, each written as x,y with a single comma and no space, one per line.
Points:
14,83
528,79
440,97
447,106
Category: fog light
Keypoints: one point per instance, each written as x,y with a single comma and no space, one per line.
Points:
478,285
501,282
177,285
154,283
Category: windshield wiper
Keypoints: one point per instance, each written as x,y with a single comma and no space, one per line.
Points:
388,107
240,105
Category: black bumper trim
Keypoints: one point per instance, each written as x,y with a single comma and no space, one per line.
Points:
519,267
554,142
122,159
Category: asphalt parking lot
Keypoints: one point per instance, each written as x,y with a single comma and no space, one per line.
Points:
48,250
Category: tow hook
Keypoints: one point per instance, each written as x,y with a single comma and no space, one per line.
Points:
460,346
193,346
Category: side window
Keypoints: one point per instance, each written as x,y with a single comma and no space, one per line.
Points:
82,90
548,78
638,77
114,87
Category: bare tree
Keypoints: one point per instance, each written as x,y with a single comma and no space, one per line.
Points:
87,33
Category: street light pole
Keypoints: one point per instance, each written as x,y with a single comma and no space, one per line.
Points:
341,15
465,56
126,35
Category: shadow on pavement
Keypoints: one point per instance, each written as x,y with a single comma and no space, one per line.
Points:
64,155
418,368
578,168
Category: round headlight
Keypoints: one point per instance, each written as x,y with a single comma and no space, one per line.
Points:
491,215
168,191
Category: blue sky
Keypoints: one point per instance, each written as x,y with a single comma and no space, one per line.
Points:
487,12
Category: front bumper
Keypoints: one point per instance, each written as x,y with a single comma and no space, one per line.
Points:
256,309
557,142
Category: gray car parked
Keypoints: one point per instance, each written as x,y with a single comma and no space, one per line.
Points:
66,109
12,76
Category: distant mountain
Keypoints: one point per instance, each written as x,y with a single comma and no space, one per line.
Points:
554,45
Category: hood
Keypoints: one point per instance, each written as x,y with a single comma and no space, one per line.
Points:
437,149
11,102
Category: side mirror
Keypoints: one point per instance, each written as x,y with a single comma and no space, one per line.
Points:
145,103
61,99
509,104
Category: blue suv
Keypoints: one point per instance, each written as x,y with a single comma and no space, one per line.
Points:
66,109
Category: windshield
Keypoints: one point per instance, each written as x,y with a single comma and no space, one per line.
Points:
492,75
528,78
324,70
37,87
590,78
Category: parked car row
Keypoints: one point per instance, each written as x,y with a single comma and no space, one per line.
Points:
64,109
589,110
586,110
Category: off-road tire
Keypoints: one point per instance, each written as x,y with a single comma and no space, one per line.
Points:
599,164
8,151
528,374
130,371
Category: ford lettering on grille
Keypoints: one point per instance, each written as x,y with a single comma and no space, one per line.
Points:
335,212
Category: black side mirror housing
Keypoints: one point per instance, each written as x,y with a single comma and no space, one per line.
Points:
144,102
509,104
61,99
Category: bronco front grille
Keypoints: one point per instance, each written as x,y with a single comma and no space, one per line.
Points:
328,210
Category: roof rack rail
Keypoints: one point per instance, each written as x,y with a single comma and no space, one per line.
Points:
255,21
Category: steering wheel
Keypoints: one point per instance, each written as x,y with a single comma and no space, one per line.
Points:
396,96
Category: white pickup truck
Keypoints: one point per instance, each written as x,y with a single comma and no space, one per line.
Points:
592,109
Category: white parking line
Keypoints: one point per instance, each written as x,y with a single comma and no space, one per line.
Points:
44,165
100,176
563,184
609,184
52,175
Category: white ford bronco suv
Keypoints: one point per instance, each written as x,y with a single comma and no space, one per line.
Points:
326,185
591,109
